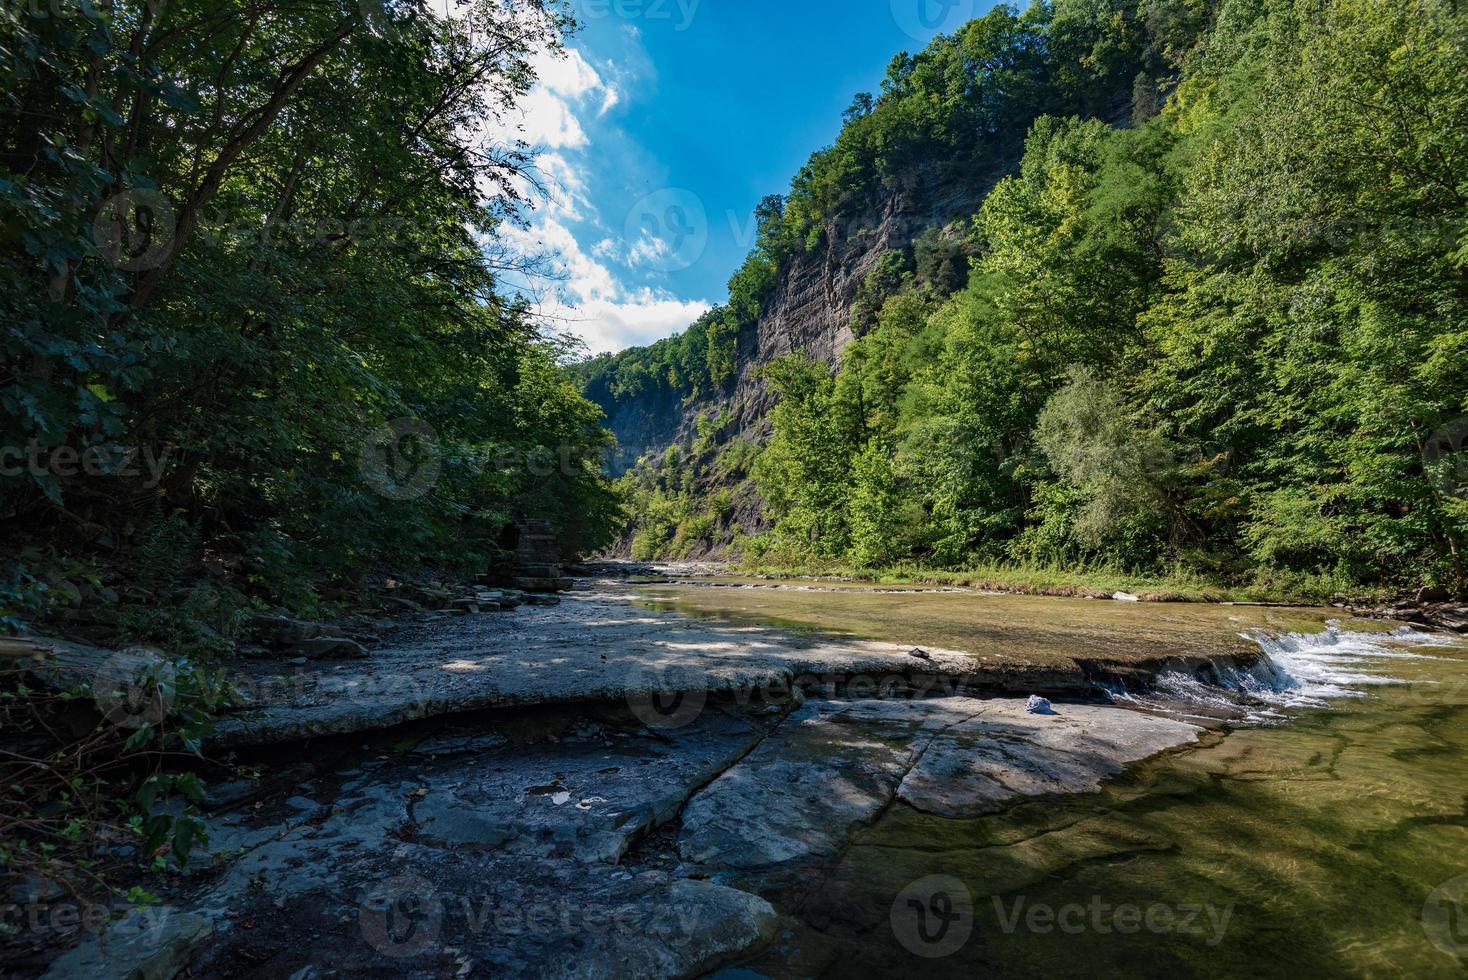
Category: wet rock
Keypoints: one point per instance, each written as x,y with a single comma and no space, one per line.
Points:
404,603
443,746
521,798
220,795
148,944
508,853
548,584
592,647
1454,618
702,926
283,630
1039,706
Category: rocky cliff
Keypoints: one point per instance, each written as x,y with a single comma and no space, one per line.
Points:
809,310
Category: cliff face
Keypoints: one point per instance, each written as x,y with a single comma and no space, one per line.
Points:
810,310
648,423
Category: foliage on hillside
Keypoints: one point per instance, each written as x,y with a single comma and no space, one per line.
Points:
952,112
1223,340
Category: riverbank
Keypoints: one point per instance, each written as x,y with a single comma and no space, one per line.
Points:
1080,583
1432,606
607,641
631,782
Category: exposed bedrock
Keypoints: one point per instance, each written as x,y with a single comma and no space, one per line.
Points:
586,844
834,766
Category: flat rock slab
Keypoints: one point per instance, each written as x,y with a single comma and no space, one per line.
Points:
834,766
494,853
522,847
830,767
1004,753
595,646
587,798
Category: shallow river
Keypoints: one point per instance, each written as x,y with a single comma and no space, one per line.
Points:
1324,834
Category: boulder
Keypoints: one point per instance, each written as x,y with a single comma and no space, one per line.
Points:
1433,593
525,584
148,944
330,648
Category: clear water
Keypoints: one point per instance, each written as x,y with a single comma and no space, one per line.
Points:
1313,839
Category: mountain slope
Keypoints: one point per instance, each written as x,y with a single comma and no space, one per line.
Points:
1174,338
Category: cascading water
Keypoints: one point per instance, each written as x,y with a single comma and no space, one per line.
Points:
1297,670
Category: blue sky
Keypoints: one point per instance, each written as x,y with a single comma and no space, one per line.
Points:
668,120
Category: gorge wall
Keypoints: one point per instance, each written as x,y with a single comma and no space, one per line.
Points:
809,310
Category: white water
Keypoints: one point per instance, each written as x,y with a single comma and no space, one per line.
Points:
1299,670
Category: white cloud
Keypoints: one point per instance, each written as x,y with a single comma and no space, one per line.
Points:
649,251
546,117
546,120
569,74
565,188
587,298
635,321
594,304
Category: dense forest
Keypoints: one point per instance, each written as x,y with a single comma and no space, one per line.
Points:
252,307
256,354
1223,332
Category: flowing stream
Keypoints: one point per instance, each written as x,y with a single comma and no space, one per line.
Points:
1321,831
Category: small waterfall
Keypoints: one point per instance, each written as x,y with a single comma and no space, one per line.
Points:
1297,670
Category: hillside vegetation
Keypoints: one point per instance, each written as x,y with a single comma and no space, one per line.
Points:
1224,337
